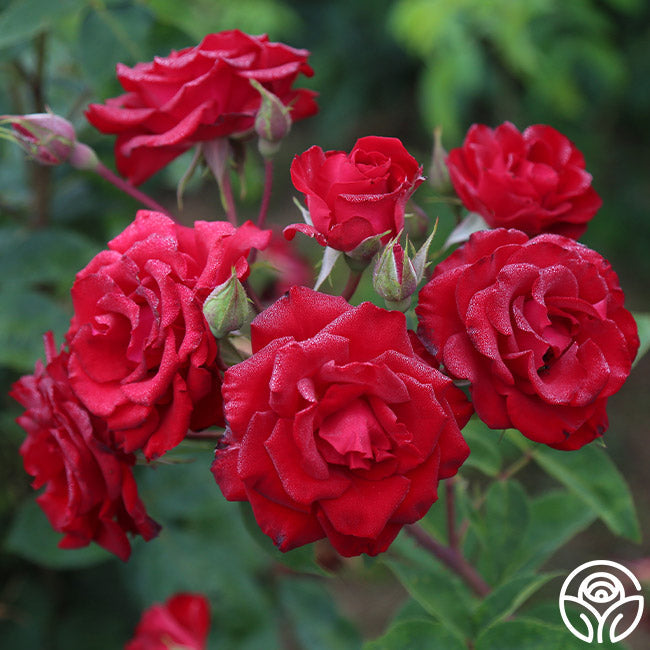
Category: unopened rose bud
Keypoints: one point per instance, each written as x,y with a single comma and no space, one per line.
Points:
394,277
50,140
226,309
439,174
272,122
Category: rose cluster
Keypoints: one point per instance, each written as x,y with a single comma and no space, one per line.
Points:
138,372
340,422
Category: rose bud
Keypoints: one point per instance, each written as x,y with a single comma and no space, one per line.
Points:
50,140
439,174
272,123
396,276
226,309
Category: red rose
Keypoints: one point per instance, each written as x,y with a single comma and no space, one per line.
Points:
534,181
141,353
354,196
336,428
90,492
181,623
197,94
539,329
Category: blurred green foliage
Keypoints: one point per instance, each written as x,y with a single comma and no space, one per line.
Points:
389,67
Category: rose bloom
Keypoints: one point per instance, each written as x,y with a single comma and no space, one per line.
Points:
181,623
539,329
90,493
336,428
354,196
534,181
197,94
141,353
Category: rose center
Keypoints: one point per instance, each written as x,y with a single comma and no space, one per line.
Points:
353,437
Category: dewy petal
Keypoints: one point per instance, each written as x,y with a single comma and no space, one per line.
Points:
366,507
301,486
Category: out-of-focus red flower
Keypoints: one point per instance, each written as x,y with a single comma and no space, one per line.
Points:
181,623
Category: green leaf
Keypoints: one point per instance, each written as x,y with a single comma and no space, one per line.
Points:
484,449
643,326
49,257
506,522
109,35
23,19
313,618
507,598
201,17
527,634
202,547
555,517
24,318
592,476
32,538
416,635
433,586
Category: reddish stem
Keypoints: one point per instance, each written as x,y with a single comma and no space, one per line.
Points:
452,558
226,189
131,190
266,196
451,514
353,282
204,435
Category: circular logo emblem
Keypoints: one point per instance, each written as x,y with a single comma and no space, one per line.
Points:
599,597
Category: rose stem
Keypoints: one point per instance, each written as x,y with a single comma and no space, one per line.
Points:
507,473
204,435
451,513
352,284
264,206
131,190
266,197
250,292
226,189
451,557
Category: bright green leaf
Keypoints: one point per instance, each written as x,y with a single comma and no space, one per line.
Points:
506,522
592,476
432,585
507,598
416,635
555,517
